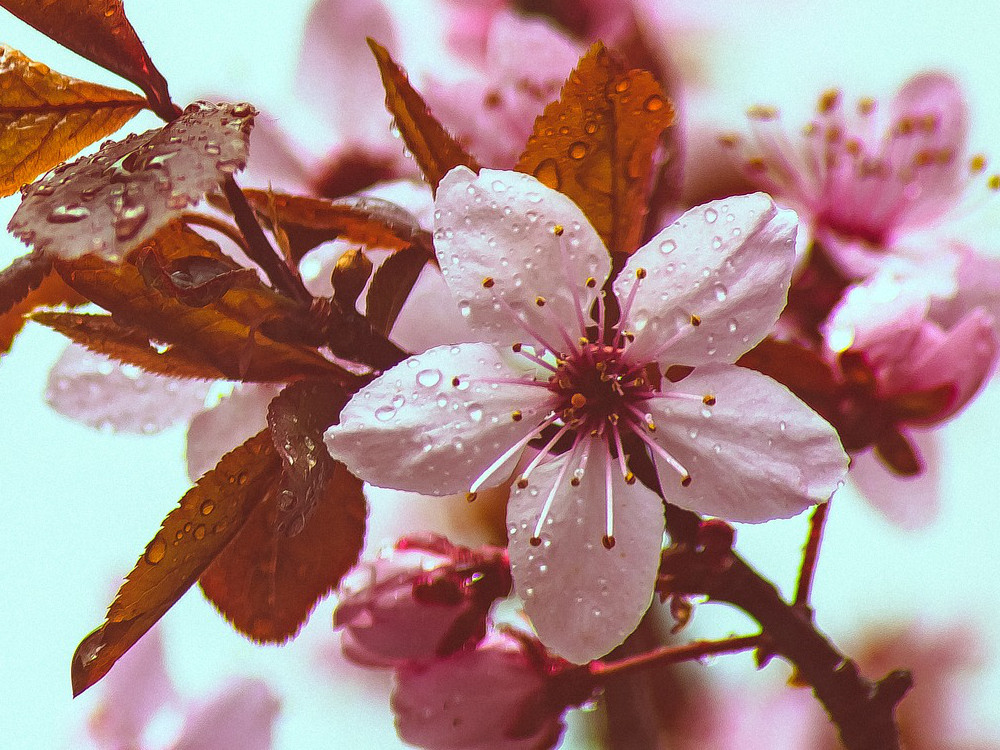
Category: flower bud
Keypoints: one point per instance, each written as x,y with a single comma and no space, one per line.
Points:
423,599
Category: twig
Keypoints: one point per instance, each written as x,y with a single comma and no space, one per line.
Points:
219,226
810,553
675,654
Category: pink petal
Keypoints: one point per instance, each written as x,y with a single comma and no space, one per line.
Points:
759,453
216,431
134,692
499,255
473,700
241,717
911,503
430,316
337,73
930,98
729,263
414,429
106,394
274,161
583,598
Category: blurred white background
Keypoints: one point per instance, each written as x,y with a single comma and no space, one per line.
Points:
78,506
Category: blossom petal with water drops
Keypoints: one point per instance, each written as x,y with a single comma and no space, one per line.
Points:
521,259
753,450
582,597
710,286
437,421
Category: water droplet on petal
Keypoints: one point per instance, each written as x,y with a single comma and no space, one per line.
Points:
475,412
68,214
429,378
711,215
128,223
720,292
385,412
465,308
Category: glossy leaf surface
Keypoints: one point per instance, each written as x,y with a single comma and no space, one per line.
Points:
598,142
225,333
304,537
109,202
434,149
208,517
99,31
46,117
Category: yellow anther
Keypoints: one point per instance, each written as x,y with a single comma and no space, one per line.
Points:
470,496
516,415
695,320
516,348
866,105
591,282
994,182
640,273
455,382
651,425
828,101
629,477
558,230
708,399
977,164
762,112
540,301
522,483
578,400
729,140
686,480
488,282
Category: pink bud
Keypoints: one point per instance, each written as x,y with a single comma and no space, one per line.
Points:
423,599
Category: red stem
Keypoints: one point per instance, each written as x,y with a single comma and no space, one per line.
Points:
810,554
674,654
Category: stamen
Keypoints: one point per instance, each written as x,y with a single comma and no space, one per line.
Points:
621,453
542,454
471,496
540,301
558,230
591,282
582,468
695,320
520,444
516,415
578,400
665,455
609,523
640,274
519,349
488,283
547,506
524,324
578,305
708,399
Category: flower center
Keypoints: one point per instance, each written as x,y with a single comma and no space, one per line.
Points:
596,388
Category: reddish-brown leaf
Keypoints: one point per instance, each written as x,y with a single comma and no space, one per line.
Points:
99,31
308,222
46,117
208,518
225,333
392,283
26,285
804,372
434,149
109,202
301,540
597,145
898,454
101,334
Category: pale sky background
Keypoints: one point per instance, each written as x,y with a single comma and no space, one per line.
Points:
79,506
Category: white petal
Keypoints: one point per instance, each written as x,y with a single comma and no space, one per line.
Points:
729,263
497,229
413,429
582,598
759,453
236,418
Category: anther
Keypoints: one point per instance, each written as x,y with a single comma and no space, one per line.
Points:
488,283
591,282
608,541
522,483
762,112
455,382
629,477
516,415
516,348
575,481
578,400
708,399
535,541
695,320
628,336
540,301
994,182
977,164
471,496
558,230
866,106
640,273
651,425
828,100
686,480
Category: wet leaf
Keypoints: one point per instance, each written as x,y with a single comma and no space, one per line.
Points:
434,149
392,284
804,372
308,222
598,143
109,202
227,333
99,31
194,280
27,284
302,540
101,334
46,117
207,519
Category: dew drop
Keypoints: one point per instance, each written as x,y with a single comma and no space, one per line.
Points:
782,426
692,433
207,507
733,325
716,242
654,103
720,292
128,223
706,412
385,413
68,214
578,150
711,215
199,531
667,246
548,173
465,308
475,412
429,378
717,448
155,552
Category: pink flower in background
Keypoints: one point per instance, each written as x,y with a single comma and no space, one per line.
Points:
140,709
526,268
879,190
506,694
525,64
424,599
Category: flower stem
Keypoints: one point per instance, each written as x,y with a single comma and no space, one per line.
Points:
192,218
674,654
810,554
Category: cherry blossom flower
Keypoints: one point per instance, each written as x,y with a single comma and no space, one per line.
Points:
527,269
424,599
506,694
879,190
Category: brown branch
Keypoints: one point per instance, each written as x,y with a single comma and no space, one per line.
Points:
817,522
675,654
